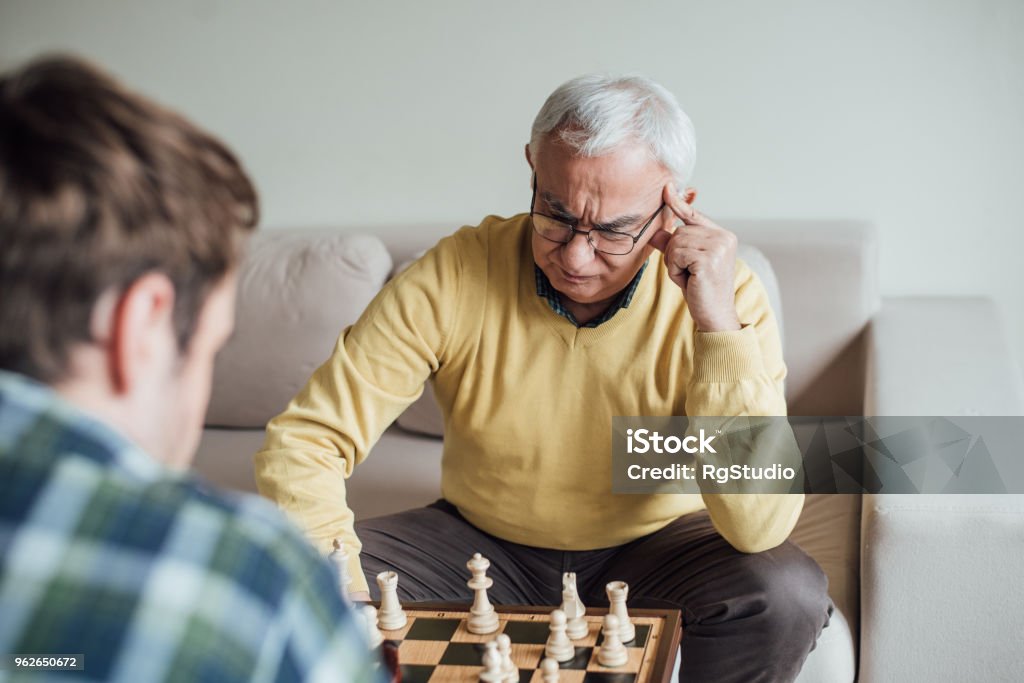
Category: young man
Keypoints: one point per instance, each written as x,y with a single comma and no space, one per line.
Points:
121,227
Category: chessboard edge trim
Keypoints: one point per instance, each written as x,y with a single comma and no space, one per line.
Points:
669,644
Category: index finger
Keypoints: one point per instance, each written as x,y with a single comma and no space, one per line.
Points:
685,211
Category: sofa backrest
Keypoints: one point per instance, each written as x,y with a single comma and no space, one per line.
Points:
828,280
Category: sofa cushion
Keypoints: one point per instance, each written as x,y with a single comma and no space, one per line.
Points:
297,290
424,417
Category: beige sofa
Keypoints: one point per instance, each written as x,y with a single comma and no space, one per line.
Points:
927,587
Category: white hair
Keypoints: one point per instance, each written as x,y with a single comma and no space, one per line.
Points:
596,114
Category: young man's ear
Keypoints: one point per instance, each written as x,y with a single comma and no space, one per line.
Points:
141,330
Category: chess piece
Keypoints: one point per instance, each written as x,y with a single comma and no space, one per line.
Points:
549,670
559,647
508,667
373,635
612,653
339,558
483,619
492,672
569,582
617,591
576,625
391,616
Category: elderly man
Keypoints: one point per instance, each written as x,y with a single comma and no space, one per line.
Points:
121,226
535,331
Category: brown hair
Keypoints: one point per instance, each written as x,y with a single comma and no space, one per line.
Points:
98,186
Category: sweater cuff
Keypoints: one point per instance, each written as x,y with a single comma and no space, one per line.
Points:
355,570
727,356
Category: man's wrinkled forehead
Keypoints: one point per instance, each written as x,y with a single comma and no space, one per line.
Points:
627,171
560,210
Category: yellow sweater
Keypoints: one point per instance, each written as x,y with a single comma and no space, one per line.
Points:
527,398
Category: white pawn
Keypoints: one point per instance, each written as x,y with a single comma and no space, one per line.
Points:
482,617
576,625
391,616
508,667
373,634
492,672
559,647
613,652
549,670
339,558
617,591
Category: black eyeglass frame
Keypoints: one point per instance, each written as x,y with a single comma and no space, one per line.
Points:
573,230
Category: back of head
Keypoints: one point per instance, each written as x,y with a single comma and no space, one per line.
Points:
595,114
103,191
98,186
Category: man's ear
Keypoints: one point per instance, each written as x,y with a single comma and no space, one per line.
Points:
529,159
142,329
689,194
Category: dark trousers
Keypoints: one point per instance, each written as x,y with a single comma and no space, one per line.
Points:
746,617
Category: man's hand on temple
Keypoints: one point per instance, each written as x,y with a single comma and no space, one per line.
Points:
701,259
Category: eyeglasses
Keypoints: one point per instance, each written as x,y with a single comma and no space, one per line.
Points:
601,239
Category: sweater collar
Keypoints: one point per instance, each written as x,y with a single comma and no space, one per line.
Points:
546,291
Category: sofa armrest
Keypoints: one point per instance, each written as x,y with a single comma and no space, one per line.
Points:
940,589
941,595
940,356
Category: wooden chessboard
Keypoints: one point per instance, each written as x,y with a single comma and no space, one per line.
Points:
435,646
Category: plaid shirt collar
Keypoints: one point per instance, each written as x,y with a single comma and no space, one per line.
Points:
545,290
26,401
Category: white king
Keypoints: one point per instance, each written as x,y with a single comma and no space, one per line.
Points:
339,558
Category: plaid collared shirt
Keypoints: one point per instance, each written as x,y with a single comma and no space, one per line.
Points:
152,575
546,291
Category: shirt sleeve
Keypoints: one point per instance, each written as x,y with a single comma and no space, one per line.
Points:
737,374
377,369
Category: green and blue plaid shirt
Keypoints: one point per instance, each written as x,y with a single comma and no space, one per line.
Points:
547,291
152,575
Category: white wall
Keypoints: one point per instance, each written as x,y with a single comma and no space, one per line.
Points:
909,114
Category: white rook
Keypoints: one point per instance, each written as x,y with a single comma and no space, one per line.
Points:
391,616
617,592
